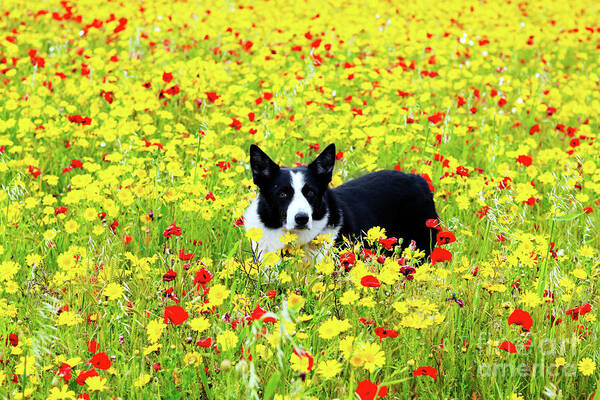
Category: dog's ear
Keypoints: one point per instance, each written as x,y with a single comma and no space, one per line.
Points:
263,168
324,163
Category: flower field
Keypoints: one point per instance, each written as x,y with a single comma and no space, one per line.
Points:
125,268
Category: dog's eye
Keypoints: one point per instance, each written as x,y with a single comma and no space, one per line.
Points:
309,193
283,195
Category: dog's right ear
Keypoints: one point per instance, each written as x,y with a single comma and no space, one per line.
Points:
263,168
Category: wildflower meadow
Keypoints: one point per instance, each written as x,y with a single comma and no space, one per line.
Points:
126,271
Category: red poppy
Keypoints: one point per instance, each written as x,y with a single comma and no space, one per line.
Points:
370,281
239,222
366,254
173,90
172,230
212,96
271,294
65,372
204,342
92,346
169,275
35,171
258,313
553,320
185,257
508,346
60,210
440,255
576,312
202,277
522,318
445,237
426,370
13,339
347,260
525,160
436,118
175,314
527,344
388,243
76,163
432,223
100,361
127,239
236,124
83,375
534,129
167,77
367,390
383,333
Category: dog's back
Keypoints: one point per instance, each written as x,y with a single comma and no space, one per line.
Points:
399,202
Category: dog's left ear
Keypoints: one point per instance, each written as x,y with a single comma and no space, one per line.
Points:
324,163
263,168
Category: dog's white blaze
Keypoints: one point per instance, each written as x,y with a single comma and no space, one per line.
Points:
299,203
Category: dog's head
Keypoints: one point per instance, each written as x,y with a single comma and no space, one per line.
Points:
292,197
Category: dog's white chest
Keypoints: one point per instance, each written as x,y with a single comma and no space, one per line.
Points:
271,239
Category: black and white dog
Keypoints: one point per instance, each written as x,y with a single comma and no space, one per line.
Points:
298,200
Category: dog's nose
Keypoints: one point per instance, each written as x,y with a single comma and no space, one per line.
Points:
301,219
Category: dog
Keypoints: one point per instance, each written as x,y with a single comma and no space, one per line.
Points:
299,200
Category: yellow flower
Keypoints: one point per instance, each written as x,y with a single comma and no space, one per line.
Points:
271,259
295,302
254,234
217,295
61,394
349,297
586,366
370,356
199,324
69,318
90,214
96,384
113,291
329,368
192,358
288,238
375,233
325,266
333,327
560,361
299,364
155,329
151,349
346,346
227,340
531,299
579,273
26,365
516,396
33,259
284,277
142,380
71,226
